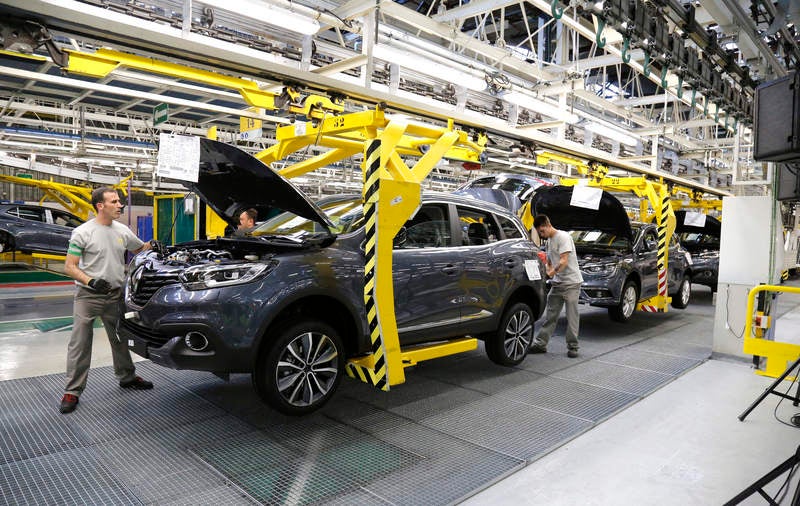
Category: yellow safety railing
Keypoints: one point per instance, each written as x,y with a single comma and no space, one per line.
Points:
779,355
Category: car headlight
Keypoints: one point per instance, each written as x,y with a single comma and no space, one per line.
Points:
602,269
201,277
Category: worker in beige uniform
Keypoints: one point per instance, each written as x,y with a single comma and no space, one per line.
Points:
565,286
95,260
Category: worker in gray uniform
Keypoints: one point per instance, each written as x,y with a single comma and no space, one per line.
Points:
565,286
96,261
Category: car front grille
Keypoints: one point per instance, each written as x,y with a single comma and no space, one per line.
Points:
152,337
149,284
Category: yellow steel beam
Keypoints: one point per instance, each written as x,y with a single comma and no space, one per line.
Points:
104,61
415,354
778,354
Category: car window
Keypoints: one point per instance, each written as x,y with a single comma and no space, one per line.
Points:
510,229
65,219
477,227
428,228
650,241
28,213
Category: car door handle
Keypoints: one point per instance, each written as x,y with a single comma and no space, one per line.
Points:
511,263
450,269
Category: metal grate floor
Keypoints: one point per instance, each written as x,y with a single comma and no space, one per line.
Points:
456,426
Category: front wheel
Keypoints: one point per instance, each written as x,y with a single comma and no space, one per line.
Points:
300,372
509,344
630,297
681,299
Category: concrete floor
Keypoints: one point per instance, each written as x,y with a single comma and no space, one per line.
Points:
681,445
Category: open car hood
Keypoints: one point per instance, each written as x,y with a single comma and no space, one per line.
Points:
231,180
554,201
712,226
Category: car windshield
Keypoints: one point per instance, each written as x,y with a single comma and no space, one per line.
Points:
345,214
599,240
507,184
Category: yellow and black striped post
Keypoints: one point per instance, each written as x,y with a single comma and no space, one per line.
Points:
377,375
663,246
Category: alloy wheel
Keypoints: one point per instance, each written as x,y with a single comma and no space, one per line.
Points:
518,335
629,301
307,369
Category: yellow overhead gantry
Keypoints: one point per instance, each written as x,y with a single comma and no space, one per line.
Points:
657,195
391,195
696,200
75,199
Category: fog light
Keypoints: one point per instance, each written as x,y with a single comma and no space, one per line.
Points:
196,341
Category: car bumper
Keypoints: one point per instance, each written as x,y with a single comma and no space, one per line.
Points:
166,345
705,272
598,291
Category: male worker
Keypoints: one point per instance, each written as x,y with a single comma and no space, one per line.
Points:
247,221
95,260
565,286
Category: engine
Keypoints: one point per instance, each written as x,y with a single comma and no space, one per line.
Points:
196,256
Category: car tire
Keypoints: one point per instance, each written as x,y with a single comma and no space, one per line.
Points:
684,293
628,300
300,372
6,243
509,344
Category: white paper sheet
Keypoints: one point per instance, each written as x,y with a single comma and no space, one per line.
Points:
178,157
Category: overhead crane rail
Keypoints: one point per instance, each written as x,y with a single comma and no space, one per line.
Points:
289,99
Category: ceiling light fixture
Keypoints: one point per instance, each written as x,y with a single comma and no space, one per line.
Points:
527,101
419,63
270,14
611,133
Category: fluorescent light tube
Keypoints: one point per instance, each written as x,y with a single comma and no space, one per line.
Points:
611,133
527,101
419,63
267,13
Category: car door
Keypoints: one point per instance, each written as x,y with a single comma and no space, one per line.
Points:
60,224
28,231
487,264
427,272
647,260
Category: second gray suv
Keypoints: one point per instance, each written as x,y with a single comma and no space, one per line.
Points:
286,302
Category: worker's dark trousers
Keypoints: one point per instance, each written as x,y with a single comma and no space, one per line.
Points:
88,306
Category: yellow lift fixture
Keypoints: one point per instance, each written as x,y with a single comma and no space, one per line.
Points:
657,195
391,195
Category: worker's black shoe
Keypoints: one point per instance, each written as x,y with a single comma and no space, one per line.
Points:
537,349
137,383
68,403
572,353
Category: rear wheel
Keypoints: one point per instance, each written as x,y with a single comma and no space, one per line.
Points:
681,299
627,305
300,372
509,344
6,243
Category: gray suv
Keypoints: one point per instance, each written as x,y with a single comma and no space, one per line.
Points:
285,302
31,228
618,259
